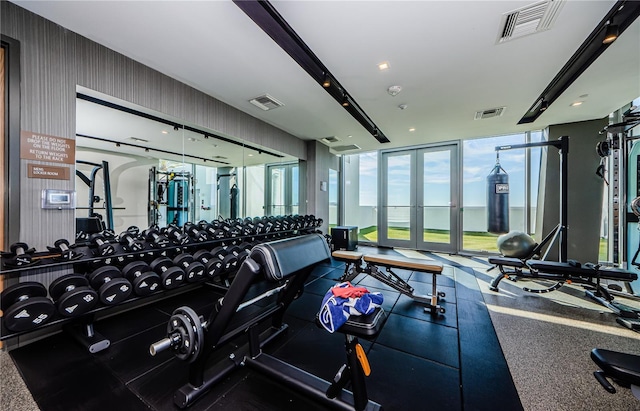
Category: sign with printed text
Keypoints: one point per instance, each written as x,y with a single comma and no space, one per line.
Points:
41,147
51,172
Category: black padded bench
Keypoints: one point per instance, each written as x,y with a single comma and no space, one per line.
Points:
286,264
622,368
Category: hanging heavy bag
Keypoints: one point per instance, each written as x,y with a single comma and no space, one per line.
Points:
498,201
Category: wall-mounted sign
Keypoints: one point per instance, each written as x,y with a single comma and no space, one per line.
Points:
52,172
34,146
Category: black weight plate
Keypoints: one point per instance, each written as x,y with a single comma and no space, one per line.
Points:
77,302
196,334
183,260
229,263
28,314
174,277
99,275
146,283
219,252
60,285
194,272
203,256
160,263
12,294
134,269
115,291
214,268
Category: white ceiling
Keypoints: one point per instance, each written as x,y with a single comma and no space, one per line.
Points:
443,54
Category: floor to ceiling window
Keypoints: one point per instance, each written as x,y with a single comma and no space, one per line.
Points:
360,174
522,166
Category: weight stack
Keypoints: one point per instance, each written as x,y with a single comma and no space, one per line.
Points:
498,201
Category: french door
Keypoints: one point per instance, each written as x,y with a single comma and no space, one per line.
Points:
419,199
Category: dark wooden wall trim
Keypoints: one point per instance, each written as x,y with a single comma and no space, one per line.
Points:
11,143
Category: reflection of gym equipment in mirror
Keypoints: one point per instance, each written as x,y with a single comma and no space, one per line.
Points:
93,222
169,197
228,185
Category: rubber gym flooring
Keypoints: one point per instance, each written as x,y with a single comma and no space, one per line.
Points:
452,362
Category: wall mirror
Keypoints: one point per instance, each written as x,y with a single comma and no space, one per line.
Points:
137,167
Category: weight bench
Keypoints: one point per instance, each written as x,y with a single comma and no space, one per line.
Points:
287,265
622,368
358,263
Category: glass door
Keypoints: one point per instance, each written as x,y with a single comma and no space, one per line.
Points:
419,199
437,208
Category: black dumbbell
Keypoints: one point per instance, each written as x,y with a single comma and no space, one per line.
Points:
212,264
134,230
240,252
172,277
153,236
193,269
20,256
63,248
129,242
104,248
177,236
111,287
143,280
25,306
194,232
72,295
229,260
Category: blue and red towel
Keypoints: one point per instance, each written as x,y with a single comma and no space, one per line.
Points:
344,300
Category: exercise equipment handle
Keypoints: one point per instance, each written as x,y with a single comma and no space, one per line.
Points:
164,344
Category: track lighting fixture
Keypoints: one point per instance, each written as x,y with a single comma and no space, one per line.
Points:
326,82
117,144
175,128
345,101
611,33
544,105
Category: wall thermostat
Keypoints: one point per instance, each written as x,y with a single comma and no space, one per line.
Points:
58,199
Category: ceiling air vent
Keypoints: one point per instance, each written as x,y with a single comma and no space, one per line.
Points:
266,102
529,20
492,112
346,148
331,139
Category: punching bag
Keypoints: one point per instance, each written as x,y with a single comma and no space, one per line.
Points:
233,195
498,201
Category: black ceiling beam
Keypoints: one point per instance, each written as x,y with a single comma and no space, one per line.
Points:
272,23
173,124
145,148
622,14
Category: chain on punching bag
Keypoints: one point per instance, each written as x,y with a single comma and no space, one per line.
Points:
498,200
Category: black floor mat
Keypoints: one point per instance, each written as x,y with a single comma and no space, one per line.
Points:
446,362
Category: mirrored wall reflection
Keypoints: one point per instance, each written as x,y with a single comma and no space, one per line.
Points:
137,171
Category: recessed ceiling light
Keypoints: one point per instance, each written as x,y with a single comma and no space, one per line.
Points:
384,65
139,140
349,136
250,155
576,103
164,132
412,129
192,139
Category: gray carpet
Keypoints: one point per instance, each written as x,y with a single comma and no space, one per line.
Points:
547,339
14,394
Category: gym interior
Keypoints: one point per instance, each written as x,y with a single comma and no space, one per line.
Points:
285,205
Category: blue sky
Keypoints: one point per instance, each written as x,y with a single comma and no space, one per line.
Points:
479,158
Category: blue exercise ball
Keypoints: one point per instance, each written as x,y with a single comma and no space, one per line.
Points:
516,244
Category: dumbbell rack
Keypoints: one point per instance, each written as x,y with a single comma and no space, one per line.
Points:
82,327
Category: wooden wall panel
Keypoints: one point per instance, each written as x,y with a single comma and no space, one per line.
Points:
2,151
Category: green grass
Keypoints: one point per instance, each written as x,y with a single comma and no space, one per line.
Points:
471,240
